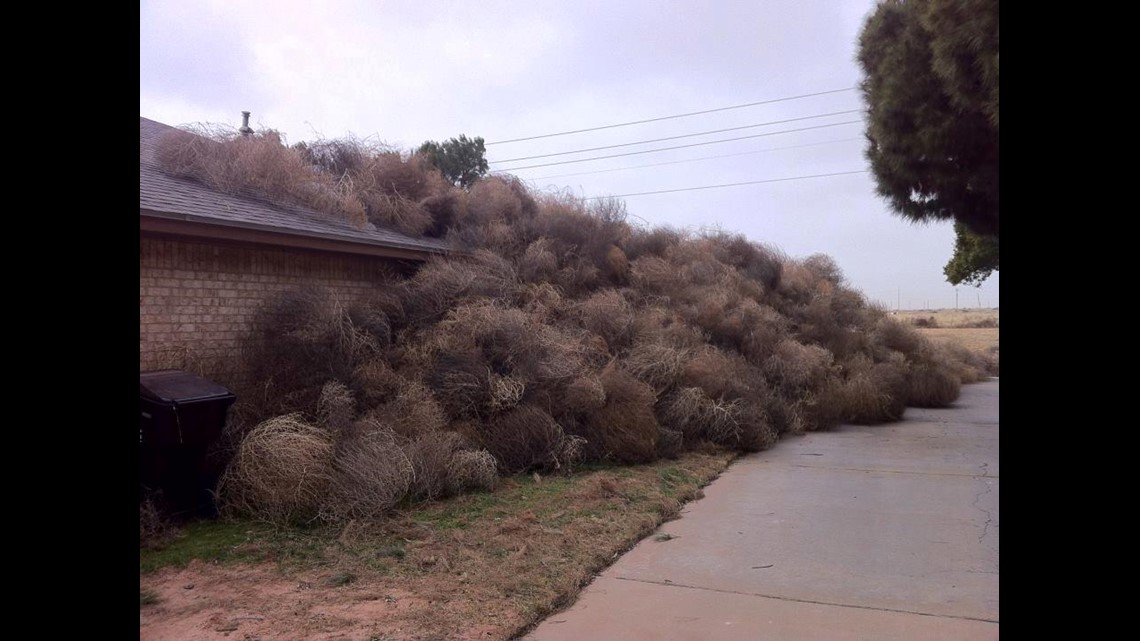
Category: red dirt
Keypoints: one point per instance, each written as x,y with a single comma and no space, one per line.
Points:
207,602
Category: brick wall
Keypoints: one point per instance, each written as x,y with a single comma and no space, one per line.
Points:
196,300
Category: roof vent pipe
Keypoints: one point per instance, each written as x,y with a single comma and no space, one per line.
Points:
245,128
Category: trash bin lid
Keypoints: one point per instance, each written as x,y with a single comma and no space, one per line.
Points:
172,385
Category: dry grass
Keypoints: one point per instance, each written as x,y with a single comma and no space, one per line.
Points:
950,318
486,565
155,529
982,340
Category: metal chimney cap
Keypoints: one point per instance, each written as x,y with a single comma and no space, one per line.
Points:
245,128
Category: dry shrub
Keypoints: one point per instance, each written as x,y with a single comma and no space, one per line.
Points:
739,423
413,412
301,339
968,365
588,233
373,321
824,269
657,324
512,343
754,262
506,392
756,432
898,336
462,383
397,213
371,474
522,439
608,314
494,235
655,275
874,392
336,157
795,366
669,442
538,263
785,414
616,265
584,395
447,211
541,300
500,199
444,283
409,177
823,408
155,529
281,472
578,278
432,456
720,374
745,326
624,429
701,270
382,309
796,283
472,470
821,322
257,165
375,383
931,385
699,417
336,407
656,364
652,242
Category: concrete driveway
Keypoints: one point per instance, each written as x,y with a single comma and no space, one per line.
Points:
881,532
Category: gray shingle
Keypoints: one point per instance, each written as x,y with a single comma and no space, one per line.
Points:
168,196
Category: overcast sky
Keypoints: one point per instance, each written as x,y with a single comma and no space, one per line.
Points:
413,70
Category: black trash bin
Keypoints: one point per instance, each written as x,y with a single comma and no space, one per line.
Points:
181,416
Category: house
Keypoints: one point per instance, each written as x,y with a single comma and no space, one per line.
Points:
207,260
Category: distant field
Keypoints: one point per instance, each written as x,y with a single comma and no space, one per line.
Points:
982,339
950,317
975,329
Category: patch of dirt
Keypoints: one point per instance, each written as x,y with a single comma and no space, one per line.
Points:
208,602
474,567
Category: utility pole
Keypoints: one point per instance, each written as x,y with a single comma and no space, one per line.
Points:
955,298
898,299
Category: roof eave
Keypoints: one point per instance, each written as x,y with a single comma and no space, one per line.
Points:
189,226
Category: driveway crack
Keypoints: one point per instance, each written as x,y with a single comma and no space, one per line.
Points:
978,497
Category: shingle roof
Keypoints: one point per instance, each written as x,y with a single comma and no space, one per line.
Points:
164,196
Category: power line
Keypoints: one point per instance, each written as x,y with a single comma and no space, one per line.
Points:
751,182
695,144
680,162
699,133
684,115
